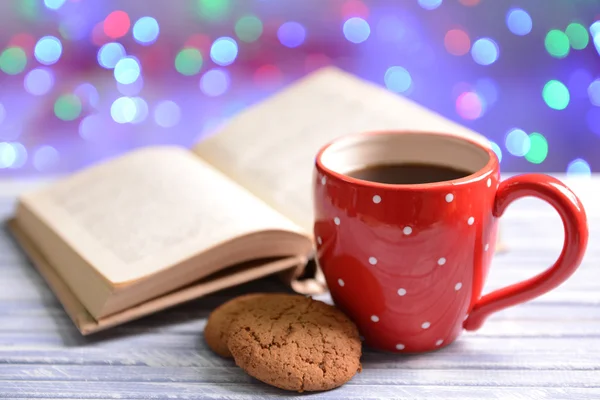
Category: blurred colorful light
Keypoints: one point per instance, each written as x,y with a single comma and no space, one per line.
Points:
131,89
248,28
356,30
23,40
538,148
557,43
517,142
214,82
88,94
592,118
578,36
48,50
594,92
188,61
291,34
127,70
556,95
123,110
20,155
2,113
430,4
496,150
8,155
110,54
116,24
354,8
579,81
146,30
39,81
92,127
46,158
214,9
54,4
397,79
13,60
488,89
67,107
485,51
224,51
167,114
469,3
73,27
519,21
469,105
141,110
457,42
579,168
268,76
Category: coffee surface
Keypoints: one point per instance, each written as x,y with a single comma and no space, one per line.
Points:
408,173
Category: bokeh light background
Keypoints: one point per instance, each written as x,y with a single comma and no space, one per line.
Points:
83,80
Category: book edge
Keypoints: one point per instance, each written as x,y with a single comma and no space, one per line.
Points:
87,324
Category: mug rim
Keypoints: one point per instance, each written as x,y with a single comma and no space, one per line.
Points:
491,165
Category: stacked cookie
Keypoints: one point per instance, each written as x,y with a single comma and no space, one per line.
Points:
288,341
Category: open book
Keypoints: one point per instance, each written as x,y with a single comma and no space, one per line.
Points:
162,225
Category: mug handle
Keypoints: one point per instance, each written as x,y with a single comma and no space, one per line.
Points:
574,220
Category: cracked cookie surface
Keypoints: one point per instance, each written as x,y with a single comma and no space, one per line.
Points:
296,343
217,327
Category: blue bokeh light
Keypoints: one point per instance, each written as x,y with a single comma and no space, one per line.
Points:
20,155
224,51
92,128
496,150
39,81
397,79
517,142
123,110
430,4
45,158
578,83
141,110
8,155
592,118
214,82
488,90
519,21
110,54
356,30
579,167
146,30
127,70
2,113
54,4
167,114
87,93
131,89
291,34
485,51
594,92
48,50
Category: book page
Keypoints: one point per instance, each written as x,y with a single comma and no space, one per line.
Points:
149,210
270,148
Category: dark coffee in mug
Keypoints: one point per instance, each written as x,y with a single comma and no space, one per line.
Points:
408,173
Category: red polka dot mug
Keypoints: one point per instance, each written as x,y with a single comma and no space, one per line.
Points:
408,262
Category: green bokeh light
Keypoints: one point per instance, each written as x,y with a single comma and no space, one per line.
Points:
556,95
28,9
214,9
578,36
13,60
188,61
538,150
67,107
557,43
248,28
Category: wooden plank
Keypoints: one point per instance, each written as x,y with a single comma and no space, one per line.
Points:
475,352
164,390
369,376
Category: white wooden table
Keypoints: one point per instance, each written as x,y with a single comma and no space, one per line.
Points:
546,349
